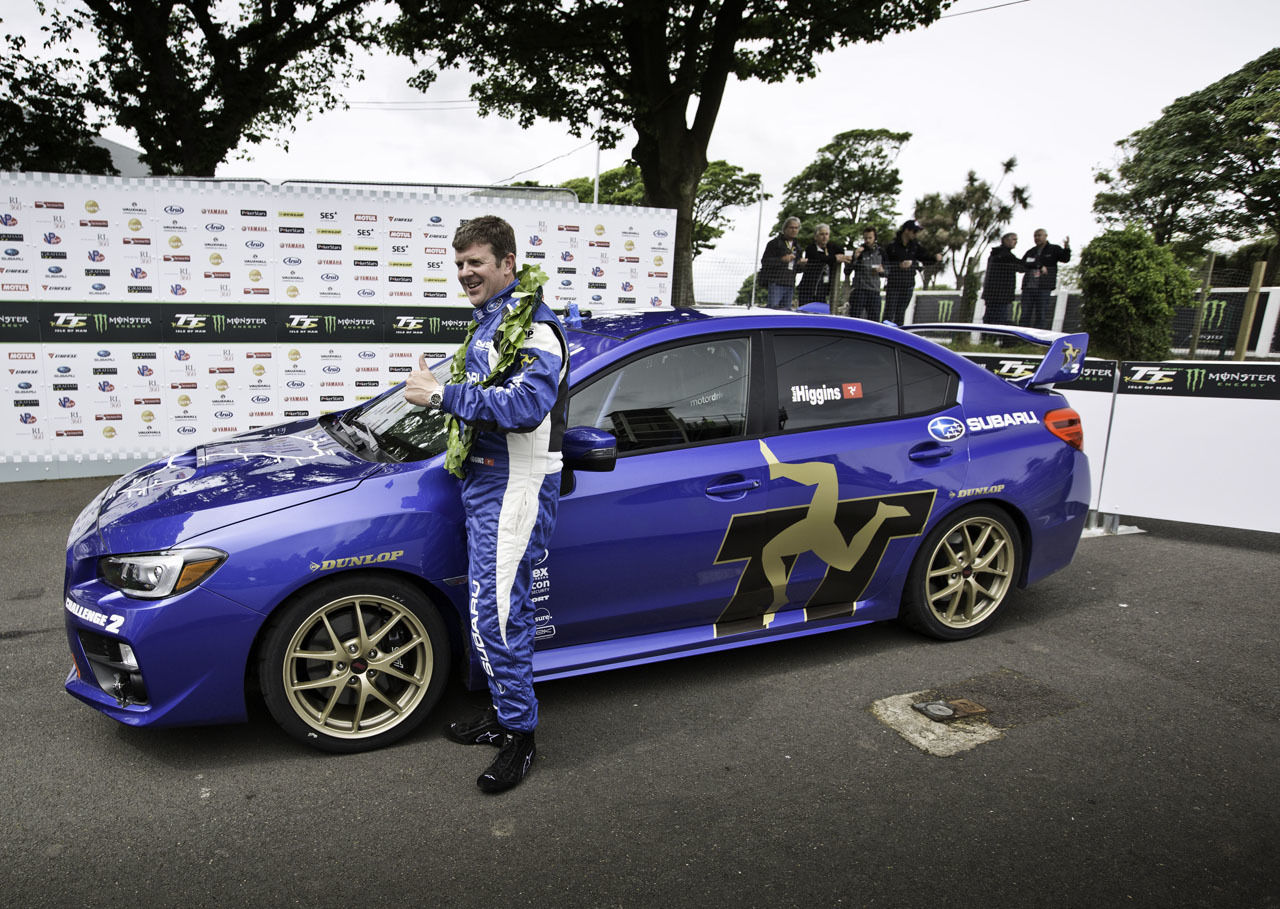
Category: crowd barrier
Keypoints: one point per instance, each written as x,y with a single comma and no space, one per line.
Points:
1178,440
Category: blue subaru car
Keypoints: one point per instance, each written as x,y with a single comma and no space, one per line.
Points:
729,480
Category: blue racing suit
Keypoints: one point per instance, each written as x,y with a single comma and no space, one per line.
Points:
510,493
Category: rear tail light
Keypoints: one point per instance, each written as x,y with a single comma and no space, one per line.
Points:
1065,424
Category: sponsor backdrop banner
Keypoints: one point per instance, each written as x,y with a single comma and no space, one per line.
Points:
142,316
1193,442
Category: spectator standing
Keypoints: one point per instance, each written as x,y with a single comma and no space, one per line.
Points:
902,259
1041,265
778,265
867,266
1000,281
821,259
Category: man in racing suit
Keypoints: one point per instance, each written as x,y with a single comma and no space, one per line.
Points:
510,485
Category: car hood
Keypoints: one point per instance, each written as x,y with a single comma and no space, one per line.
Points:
222,483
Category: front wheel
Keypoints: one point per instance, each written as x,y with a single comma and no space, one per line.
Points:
962,574
354,664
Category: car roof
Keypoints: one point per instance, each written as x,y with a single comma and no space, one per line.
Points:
601,332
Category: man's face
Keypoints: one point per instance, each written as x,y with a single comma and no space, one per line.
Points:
1011,241
481,274
868,238
822,236
790,229
1041,238
908,235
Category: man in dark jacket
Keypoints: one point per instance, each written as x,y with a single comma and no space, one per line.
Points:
778,265
867,266
1041,265
902,259
1000,281
821,258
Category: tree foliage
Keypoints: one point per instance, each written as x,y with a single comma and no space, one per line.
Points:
1131,287
46,117
1208,168
965,223
853,183
658,66
195,78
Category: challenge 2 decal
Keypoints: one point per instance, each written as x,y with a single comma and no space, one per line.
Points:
849,535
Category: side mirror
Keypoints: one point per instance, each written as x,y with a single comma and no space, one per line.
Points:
588,448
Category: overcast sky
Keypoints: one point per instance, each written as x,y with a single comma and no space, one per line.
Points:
1053,82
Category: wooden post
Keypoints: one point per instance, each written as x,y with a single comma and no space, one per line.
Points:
1250,308
1204,296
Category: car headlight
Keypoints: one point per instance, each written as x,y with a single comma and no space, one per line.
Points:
155,575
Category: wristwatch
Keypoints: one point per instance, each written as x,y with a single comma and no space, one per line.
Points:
435,400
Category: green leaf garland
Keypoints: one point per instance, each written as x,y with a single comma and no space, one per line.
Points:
516,322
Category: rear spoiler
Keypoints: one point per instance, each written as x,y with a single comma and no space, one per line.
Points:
1063,362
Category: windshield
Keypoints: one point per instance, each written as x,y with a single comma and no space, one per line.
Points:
399,431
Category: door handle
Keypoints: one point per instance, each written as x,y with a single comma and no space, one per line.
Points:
728,489
930,452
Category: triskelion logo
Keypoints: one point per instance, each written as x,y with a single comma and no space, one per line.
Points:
849,535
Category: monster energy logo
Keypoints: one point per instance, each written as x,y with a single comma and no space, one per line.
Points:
1214,311
434,324
219,324
1195,378
1017,312
99,322
330,323
944,310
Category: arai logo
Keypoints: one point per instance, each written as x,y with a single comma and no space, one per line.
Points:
946,429
367,354
253,244
365,292
332,370
292,260
328,276
295,383
223,414
186,430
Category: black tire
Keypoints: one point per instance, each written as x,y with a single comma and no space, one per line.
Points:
962,574
323,694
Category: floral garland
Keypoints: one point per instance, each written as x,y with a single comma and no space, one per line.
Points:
511,334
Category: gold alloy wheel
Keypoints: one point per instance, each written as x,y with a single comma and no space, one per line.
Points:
970,572
358,666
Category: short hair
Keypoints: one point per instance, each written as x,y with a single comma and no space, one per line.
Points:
871,229
822,227
792,220
489,229
1011,233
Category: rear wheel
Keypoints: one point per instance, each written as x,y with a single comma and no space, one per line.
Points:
354,664
962,574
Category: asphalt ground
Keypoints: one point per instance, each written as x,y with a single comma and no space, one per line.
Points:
1135,697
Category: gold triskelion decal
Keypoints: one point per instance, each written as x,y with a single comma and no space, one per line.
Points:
849,535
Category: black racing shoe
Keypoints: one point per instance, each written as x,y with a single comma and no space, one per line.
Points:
511,764
481,729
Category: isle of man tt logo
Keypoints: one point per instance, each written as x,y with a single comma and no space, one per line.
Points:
849,535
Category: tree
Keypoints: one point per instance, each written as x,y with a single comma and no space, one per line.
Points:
1131,287
660,67
46,123
192,86
1208,168
851,184
965,223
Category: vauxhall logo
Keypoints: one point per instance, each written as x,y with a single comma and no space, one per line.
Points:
850,536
